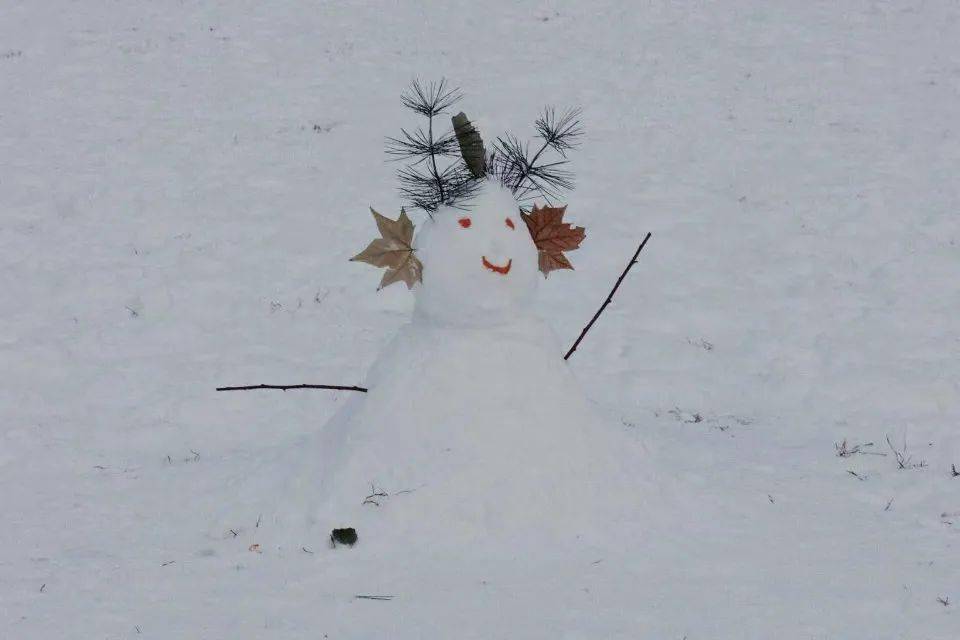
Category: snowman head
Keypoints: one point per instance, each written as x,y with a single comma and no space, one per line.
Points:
479,263
478,253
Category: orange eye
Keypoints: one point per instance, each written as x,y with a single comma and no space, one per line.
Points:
510,223
464,222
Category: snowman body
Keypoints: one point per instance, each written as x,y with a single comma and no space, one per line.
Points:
473,423
473,428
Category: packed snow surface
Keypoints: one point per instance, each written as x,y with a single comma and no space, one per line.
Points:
776,385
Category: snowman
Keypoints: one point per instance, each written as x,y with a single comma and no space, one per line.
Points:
472,427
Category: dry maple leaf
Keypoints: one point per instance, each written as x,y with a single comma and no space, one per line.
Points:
394,250
552,236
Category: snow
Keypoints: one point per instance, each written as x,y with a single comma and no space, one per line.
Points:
181,187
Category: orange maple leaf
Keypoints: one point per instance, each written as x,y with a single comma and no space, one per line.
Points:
552,236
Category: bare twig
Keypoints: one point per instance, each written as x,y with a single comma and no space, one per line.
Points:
889,504
845,451
374,495
953,471
334,387
903,460
944,601
366,597
606,302
856,475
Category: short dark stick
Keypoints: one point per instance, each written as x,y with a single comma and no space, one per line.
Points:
623,275
335,387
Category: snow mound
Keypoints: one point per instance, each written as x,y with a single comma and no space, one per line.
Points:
473,427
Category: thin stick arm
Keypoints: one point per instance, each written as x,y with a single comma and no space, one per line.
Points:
284,387
606,302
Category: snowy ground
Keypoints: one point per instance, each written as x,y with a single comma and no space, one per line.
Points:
181,185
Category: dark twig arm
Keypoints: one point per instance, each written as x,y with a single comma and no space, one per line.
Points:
335,387
606,302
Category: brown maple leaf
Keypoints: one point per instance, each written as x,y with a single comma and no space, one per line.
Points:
552,236
394,250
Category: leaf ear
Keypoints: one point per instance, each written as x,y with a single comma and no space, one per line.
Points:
393,250
552,236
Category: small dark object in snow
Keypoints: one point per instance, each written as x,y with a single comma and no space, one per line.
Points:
346,536
953,470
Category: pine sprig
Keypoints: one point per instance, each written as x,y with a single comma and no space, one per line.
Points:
563,133
528,175
418,147
431,100
418,186
423,183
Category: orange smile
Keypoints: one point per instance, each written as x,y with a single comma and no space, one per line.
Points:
504,270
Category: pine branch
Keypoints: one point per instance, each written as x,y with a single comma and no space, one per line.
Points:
433,161
527,175
430,187
529,165
562,134
606,302
418,146
509,160
418,186
547,181
430,100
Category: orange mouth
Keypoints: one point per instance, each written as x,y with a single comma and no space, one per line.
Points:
504,270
